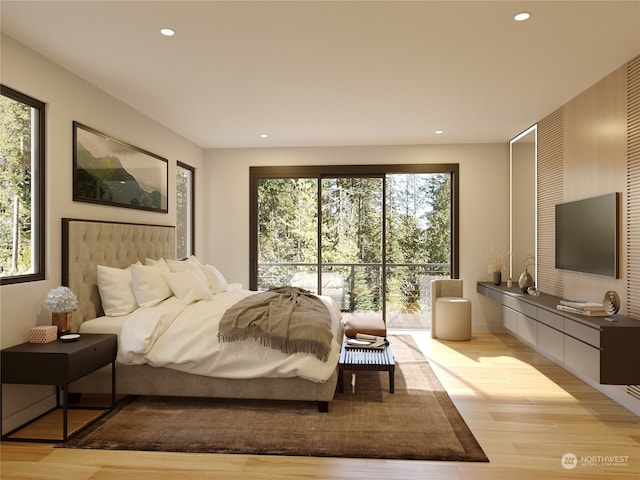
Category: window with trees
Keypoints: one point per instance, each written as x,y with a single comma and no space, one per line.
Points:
185,214
22,147
371,237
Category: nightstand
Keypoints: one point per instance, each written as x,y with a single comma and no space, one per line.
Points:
59,363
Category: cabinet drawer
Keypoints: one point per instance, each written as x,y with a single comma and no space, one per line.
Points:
582,358
508,318
529,310
510,302
519,306
551,342
490,293
527,328
92,358
551,319
582,332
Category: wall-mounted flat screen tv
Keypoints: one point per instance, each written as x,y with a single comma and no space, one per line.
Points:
587,235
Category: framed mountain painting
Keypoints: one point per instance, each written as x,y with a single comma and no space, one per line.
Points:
109,171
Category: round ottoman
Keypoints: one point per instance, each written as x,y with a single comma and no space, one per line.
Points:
454,318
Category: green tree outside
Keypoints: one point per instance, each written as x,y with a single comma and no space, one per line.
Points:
418,232
15,194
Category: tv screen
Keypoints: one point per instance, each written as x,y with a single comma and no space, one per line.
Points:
587,235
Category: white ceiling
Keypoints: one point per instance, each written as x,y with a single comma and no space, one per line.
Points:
317,73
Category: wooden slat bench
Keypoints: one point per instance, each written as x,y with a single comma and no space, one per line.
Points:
369,359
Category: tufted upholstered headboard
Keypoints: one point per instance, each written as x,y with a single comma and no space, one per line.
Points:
87,244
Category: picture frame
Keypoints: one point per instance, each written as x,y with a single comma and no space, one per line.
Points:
111,172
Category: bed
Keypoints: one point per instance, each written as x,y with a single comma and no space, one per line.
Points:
87,244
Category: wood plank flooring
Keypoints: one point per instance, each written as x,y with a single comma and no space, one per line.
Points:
526,412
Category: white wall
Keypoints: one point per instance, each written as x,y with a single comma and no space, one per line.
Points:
69,98
483,203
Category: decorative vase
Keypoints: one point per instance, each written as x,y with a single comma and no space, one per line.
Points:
526,281
62,320
497,278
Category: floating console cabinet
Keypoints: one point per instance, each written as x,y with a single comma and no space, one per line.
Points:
605,352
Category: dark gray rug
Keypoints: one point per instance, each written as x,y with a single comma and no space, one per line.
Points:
418,422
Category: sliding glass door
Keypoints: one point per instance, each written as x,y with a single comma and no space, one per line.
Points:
370,240
287,223
418,238
351,241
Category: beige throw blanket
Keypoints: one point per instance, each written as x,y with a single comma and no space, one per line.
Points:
289,319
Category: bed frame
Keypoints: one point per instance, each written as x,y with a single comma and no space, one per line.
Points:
88,243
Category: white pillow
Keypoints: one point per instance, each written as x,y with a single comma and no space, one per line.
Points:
216,280
193,259
181,266
160,263
149,284
187,286
116,290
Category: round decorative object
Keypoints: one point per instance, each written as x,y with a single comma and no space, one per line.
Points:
533,291
611,302
526,281
72,337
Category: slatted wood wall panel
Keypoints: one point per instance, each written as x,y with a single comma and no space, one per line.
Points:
633,188
550,178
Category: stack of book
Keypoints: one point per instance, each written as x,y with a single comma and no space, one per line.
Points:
367,341
591,309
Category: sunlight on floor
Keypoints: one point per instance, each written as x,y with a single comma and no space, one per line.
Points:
467,374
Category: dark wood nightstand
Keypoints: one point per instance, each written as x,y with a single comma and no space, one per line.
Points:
59,363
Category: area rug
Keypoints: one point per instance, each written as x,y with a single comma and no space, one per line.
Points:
418,421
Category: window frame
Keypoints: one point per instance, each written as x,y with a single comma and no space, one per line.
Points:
191,229
38,212
323,171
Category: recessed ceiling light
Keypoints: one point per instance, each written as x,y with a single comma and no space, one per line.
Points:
264,135
521,17
439,132
167,32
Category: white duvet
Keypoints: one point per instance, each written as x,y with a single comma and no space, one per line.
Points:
185,337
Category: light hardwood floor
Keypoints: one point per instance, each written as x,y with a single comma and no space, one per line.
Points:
525,411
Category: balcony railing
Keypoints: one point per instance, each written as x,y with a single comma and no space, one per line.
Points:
359,286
